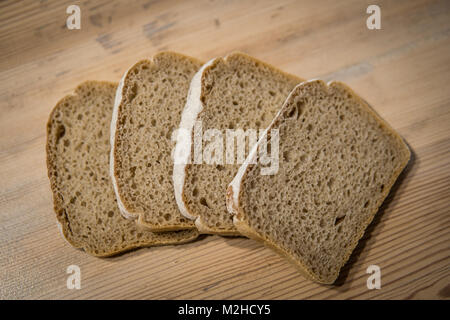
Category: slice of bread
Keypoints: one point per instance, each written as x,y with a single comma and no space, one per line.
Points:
235,92
338,161
78,149
148,106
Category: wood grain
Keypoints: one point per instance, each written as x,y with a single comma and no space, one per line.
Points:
402,70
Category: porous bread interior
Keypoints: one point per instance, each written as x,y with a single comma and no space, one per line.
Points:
153,96
238,92
78,167
338,161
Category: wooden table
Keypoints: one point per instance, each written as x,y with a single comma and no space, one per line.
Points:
403,70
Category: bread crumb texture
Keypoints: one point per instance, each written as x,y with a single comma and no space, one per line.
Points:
338,160
238,92
153,97
78,147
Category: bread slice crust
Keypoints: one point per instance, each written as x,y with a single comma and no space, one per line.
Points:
132,205
193,111
235,192
109,233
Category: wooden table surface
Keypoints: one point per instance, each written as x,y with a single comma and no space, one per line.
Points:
402,70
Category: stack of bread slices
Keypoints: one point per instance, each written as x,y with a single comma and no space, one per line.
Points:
139,163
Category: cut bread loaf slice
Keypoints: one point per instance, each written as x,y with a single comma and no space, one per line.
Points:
78,149
231,93
148,106
338,161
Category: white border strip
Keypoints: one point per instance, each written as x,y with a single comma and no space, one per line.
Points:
183,147
112,139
